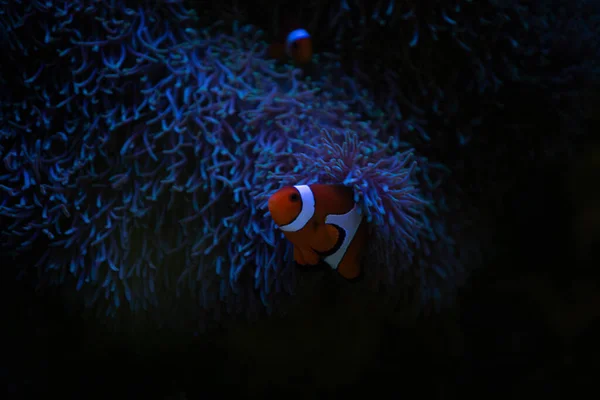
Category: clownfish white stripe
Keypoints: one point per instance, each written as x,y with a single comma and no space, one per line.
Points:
293,36
307,212
349,222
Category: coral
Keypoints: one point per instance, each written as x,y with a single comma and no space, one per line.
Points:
138,150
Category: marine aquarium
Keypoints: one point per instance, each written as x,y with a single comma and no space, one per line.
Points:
141,147
193,164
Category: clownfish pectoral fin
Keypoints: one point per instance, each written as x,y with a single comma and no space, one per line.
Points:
324,238
333,235
298,256
305,256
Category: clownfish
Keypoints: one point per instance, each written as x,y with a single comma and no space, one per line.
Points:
323,223
296,44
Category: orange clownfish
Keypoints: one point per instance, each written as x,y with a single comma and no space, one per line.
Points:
323,223
297,45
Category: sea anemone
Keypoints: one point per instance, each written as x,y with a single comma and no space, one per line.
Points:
484,87
411,249
447,60
136,149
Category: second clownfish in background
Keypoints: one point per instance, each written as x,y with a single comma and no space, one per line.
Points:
323,223
293,42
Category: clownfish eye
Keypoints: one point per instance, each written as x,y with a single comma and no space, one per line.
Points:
294,197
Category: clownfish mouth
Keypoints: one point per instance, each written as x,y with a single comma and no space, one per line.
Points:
338,244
